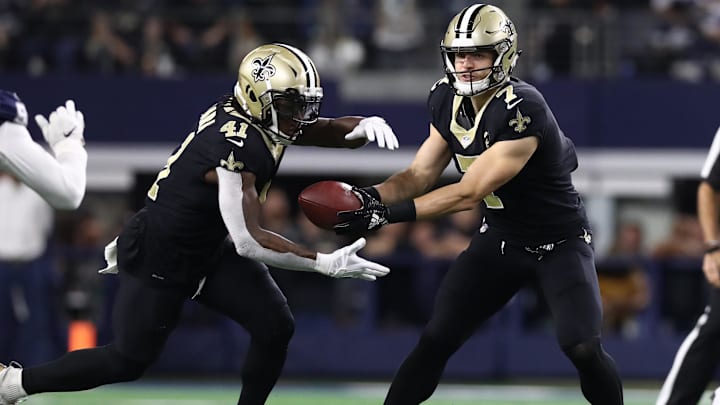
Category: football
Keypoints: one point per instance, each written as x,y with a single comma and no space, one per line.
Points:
322,201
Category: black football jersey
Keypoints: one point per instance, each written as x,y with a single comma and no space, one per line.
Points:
183,212
541,200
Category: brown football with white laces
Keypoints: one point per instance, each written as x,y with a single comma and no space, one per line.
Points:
321,201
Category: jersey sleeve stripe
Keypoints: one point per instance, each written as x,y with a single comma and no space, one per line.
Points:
712,156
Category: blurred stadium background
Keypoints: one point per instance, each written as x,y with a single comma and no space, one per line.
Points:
633,82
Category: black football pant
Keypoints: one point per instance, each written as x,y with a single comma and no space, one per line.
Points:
145,315
696,359
481,281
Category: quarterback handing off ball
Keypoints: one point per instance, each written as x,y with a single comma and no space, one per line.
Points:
322,201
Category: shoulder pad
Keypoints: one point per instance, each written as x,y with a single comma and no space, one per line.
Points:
439,82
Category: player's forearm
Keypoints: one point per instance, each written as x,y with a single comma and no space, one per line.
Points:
251,241
403,185
283,255
279,244
708,212
444,201
72,157
268,247
60,181
487,174
330,132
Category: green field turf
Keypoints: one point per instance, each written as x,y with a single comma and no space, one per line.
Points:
327,394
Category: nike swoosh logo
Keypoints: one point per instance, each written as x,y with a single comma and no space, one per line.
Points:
234,142
68,133
513,105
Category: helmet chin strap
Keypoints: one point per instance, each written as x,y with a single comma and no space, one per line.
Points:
469,88
474,87
278,135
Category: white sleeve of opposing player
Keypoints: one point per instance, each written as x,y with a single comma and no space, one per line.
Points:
230,197
60,180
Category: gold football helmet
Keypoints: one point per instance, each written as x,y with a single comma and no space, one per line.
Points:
476,28
279,86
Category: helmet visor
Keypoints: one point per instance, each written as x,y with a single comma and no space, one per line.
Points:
300,108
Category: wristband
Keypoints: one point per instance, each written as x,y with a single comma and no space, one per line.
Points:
372,191
401,212
712,247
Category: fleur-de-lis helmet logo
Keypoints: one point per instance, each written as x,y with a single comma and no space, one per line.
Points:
263,69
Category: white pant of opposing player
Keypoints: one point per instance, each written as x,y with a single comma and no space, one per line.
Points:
716,397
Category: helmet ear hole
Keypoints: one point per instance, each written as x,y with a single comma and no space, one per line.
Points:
251,94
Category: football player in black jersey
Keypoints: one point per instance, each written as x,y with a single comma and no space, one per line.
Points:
515,160
177,247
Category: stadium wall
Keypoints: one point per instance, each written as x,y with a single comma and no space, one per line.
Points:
626,131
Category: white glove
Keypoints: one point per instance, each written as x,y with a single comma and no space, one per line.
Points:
374,128
65,123
110,258
345,262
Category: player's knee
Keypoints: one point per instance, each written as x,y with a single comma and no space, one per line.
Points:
124,368
277,330
285,328
436,344
583,353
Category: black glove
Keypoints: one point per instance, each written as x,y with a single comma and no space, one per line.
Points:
370,216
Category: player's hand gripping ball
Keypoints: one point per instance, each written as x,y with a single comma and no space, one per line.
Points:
322,201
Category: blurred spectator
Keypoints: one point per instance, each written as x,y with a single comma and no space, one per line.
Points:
156,57
280,20
397,295
625,292
105,50
332,46
386,242
318,238
200,35
81,237
276,214
629,240
558,40
445,239
307,295
682,290
425,237
674,43
624,283
398,34
709,25
243,38
10,29
161,39
684,241
456,237
573,35
26,278
52,36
